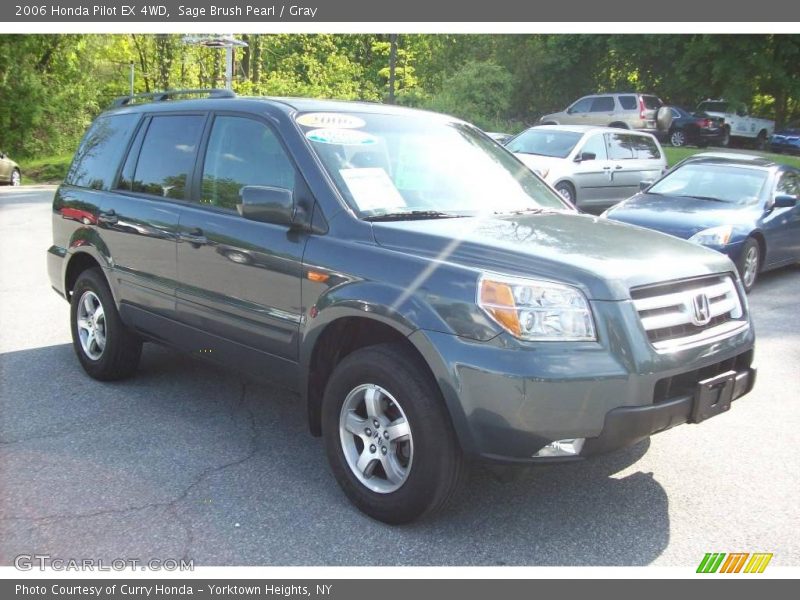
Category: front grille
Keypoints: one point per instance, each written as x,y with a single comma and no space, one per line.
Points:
672,313
685,384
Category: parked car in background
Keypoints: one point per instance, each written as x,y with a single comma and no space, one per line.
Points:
739,125
699,129
10,173
744,206
500,138
624,111
592,167
787,140
430,299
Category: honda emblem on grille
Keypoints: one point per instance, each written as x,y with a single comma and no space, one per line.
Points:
701,311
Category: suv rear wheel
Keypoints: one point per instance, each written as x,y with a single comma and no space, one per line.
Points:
388,436
106,349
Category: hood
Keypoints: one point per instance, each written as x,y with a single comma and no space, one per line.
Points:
539,163
603,258
680,216
793,132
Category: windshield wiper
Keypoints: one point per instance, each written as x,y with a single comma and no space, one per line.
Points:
709,198
532,210
410,215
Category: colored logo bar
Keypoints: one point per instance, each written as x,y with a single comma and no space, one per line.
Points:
734,562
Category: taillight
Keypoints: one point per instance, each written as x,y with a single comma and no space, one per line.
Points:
641,108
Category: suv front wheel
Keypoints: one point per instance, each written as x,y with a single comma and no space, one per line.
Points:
106,349
388,436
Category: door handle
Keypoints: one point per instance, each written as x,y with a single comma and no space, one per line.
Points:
108,217
618,167
606,168
194,237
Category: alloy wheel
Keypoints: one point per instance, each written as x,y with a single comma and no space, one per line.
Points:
16,179
678,138
91,325
376,438
750,266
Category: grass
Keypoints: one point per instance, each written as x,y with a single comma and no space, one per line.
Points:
675,155
45,170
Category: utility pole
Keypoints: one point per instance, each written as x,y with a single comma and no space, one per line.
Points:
220,41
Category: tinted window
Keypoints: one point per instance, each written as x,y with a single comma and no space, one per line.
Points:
603,104
651,102
545,142
100,152
242,152
581,106
789,184
619,146
596,145
126,175
628,102
167,155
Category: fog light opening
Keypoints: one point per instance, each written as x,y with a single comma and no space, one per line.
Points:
571,447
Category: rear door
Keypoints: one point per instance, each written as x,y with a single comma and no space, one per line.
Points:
139,220
240,279
602,111
634,158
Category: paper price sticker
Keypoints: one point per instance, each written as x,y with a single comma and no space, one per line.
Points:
336,120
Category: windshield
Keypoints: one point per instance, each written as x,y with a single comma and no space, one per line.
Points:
397,164
545,142
731,184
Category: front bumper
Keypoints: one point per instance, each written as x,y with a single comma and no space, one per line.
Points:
509,399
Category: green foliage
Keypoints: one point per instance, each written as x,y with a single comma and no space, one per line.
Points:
52,86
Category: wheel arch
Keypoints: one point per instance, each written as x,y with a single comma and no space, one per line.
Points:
77,264
619,125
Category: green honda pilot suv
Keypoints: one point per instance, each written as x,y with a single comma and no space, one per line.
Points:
431,300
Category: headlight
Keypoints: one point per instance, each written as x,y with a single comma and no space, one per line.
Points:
714,236
536,310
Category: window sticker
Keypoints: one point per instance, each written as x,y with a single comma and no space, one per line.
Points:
341,137
337,120
372,189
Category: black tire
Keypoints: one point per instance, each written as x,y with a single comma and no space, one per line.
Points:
437,466
751,250
567,191
119,358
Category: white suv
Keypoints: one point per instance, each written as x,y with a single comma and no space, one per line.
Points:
592,167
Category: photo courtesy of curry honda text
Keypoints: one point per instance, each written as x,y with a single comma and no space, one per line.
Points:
429,312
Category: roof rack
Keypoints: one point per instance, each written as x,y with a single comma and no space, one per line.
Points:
171,94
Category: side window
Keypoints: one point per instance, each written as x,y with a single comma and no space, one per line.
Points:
644,147
675,113
628,102
596,145
167,155
97,159
126,174
602,104
242,152
619,146
789,183
581,106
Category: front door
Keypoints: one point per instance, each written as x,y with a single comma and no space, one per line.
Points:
593,176
239,280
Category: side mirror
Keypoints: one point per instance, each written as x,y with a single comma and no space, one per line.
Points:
784,201
585,156
645,185
267,204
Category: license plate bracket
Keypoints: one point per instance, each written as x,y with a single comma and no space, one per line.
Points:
713,396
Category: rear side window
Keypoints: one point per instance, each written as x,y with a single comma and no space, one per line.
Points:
711,106
619,146
628,102
652,102
98,157
602,104
167,155
242,152
644,148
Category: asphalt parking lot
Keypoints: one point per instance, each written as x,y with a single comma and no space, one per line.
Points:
187,460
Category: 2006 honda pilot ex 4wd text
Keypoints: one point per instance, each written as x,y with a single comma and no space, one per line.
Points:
431,299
